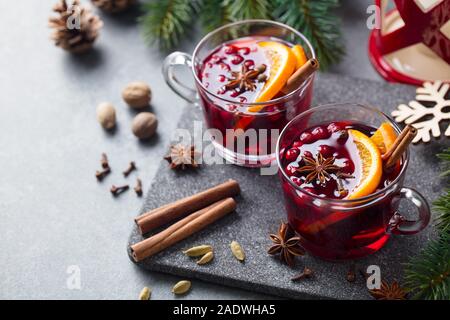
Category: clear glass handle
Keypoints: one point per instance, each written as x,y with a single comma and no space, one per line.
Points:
177,59
400,225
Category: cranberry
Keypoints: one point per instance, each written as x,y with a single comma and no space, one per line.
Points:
221,78
291,168
230,49
237,59
216,59
347,166
292,154
342,136
234,93
297,181
320,133
209,65
297,144
306,137
326,151
222,90
308,154
231,107
244,50
242,99
224,66
334,126
249,63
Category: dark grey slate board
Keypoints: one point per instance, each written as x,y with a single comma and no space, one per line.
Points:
260,209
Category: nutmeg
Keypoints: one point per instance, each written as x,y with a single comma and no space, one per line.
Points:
106,115
144,125
137,95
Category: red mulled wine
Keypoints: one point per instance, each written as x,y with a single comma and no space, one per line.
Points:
236,75
332,162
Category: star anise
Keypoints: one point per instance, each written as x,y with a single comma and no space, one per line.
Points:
286,244
319,168
182,157
389,292
244,79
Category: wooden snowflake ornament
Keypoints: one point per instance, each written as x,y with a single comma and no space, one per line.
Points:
436,93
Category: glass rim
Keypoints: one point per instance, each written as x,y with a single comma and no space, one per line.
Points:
233,24
373,196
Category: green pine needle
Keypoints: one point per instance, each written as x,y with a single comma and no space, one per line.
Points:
166,21
442,205
219,17
428,275
445,157
318,23
248,9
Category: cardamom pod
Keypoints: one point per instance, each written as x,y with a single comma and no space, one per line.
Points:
145,294
237,250
181,287
198,251
206,258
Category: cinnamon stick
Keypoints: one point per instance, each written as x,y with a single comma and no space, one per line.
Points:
162,215
182,229
153,240
399,146
300,76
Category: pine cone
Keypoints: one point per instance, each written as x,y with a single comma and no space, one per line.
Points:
76,28
113,6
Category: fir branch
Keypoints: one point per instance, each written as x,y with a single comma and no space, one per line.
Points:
318,23
166,21
214,14
445,157
428,275
248,9
442,205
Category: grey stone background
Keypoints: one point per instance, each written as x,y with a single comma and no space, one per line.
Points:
53,213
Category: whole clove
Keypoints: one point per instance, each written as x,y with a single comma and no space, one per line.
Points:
351,275
118,190
104,161
131,167
138,187
307,273
102,174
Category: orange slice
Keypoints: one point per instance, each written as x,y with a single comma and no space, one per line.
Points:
300,55
282,65
384,137
371,165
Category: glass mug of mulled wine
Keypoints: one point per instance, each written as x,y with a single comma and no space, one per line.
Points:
340,196
240,71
